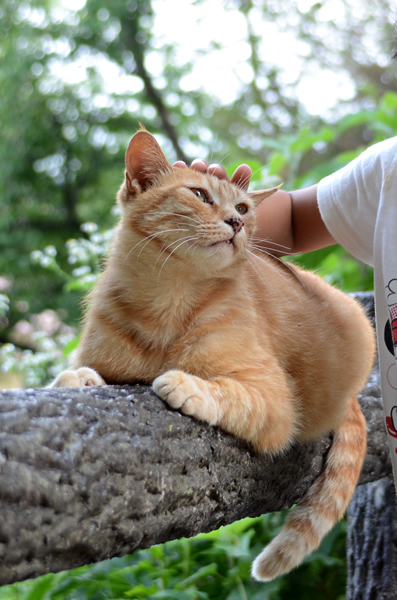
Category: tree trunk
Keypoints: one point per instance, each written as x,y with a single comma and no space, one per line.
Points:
372,513
372,542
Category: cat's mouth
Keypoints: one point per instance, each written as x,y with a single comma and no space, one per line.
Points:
229,241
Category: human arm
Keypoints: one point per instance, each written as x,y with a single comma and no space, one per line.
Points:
290,222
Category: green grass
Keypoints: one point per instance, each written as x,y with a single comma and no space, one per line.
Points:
214,566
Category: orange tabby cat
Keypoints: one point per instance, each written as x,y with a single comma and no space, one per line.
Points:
234,338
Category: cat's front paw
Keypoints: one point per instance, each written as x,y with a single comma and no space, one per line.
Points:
188,393
82,377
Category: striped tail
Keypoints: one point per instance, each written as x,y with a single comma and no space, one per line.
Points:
323,505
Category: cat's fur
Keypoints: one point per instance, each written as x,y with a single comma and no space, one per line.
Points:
228,335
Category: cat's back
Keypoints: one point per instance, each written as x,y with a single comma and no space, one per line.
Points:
320,335
287,296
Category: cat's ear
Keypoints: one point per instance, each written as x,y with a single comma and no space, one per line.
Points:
259,195
144,162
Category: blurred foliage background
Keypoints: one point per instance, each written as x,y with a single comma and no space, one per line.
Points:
295,88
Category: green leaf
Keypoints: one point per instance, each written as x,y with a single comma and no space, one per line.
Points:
174,595
276,163
42,587
141,590
70,346
256,166
78,285
389,101
350,121
210,569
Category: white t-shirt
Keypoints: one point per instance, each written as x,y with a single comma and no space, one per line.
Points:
358,205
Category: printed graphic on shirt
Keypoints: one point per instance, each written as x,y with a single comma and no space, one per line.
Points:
391,295
390,339
391,422
391,376
390,332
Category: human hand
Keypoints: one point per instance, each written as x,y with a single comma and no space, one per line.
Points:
241,176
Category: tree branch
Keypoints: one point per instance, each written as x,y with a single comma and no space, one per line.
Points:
99,472
138,49
88,474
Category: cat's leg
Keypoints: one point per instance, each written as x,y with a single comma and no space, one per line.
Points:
261,411
82,377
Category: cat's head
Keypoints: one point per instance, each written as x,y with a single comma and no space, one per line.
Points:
184,214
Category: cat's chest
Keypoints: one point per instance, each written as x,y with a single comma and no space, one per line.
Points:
168,316
166,329
164,325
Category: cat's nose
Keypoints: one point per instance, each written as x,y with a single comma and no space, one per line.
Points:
235,222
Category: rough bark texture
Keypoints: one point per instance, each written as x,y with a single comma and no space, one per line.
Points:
377,462
372,542
90,474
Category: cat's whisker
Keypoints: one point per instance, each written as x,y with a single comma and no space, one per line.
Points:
195,237
286,264
268,265
156,235
213,148
281,261
244,180
260,275
186,225
140,242
224,158
266,249
269,241
189,247
165,248
195,219
150,237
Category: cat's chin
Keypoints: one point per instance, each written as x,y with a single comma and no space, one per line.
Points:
222,254
224,248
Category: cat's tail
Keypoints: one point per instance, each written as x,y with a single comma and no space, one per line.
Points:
325,502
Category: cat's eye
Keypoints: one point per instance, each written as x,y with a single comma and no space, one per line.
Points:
201,195
241,209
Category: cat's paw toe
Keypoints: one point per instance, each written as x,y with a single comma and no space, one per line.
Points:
182,391
82,377
169,387
200,408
